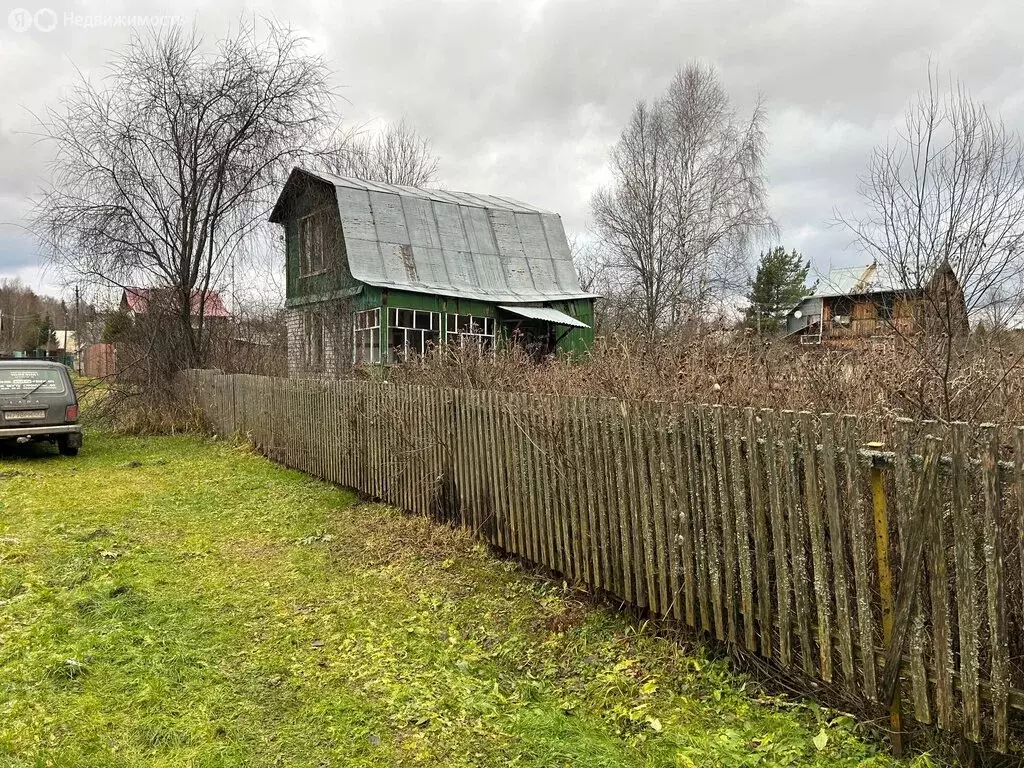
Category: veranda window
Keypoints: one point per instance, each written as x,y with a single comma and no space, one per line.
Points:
411,332
469,330
366,336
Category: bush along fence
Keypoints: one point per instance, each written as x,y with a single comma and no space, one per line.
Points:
890,570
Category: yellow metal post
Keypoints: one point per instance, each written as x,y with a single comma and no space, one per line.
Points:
885,581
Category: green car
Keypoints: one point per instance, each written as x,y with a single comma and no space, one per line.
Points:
38,404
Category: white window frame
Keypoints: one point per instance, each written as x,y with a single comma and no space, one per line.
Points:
425,324
366,326
313,229
476,330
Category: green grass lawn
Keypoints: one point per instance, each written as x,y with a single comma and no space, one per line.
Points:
179,602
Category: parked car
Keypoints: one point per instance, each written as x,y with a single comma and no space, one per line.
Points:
38,403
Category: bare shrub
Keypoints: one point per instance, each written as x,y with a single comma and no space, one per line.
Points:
943,204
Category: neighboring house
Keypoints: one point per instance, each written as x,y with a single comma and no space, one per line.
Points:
854,304
137,301
376,273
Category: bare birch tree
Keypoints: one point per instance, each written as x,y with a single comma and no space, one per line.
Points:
165,168
688,194
632,216
397,154
945,198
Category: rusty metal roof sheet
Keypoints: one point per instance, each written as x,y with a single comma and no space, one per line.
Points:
457,244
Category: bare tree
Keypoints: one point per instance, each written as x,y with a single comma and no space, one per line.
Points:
633,218
718,193
688,195
164,169
944,219
948,190
395,155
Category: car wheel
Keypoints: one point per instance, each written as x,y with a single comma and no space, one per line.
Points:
66,448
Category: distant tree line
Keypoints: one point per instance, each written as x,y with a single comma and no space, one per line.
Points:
29,321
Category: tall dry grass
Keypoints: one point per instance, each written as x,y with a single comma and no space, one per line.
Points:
981,379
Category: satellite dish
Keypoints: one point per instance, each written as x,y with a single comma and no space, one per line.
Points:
798,314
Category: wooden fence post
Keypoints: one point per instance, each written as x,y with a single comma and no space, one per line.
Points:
885,582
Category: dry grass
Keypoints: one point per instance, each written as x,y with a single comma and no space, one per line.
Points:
985,381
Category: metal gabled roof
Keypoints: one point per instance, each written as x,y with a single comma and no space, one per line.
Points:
853,281
438,195
458,244
137,300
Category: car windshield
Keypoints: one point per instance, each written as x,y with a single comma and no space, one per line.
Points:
16,381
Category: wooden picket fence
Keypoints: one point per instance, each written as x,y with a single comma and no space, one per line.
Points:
883,559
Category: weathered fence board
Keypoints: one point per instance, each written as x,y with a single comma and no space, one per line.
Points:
859,547
754,527
761,543
775,470
816,524
995,582
737,476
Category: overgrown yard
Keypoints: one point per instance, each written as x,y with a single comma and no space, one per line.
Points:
172,601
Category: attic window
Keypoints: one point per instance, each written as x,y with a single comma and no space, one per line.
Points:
411,332
312,243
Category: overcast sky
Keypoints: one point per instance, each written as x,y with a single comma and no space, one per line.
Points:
525,98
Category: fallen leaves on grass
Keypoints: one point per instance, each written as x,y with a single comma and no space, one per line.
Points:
241,614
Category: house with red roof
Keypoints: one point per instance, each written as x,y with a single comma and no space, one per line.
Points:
137,301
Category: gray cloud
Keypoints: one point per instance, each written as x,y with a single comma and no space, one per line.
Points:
525,99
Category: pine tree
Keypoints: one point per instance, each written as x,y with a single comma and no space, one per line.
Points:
781,282
47,334
39,333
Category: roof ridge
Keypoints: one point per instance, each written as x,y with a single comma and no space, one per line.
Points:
450,196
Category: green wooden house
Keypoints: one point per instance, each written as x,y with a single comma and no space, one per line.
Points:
377,273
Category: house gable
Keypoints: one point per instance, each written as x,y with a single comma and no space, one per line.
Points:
303,197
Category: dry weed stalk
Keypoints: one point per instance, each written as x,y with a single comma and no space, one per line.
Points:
986,383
